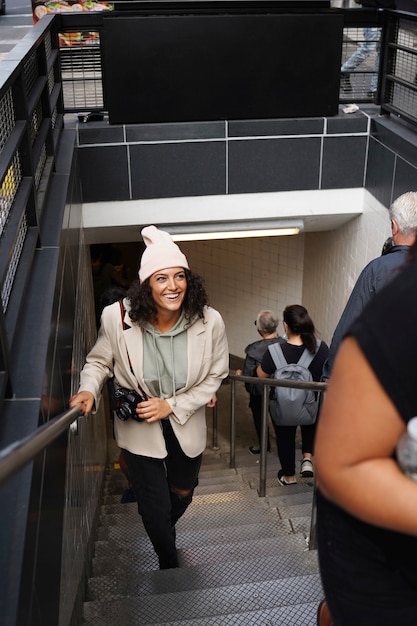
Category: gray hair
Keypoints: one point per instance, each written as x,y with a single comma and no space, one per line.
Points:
266,322
404,212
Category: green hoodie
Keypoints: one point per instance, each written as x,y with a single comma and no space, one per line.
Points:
165,362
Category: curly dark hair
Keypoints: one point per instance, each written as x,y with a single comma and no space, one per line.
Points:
142,306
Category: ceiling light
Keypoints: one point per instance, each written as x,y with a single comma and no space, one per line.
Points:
233,230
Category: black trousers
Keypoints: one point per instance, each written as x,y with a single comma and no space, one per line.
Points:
286,444
156,483
255,405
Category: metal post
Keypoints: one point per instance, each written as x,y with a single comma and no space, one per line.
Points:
264,441
312,542
232,423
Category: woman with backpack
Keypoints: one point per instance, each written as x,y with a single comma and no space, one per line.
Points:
301,343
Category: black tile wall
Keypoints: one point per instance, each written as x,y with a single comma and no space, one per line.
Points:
104,173
169,170
343,162
347,123
262,128
266,165
397,135
380,171
405,178
99,132
175,132
246,156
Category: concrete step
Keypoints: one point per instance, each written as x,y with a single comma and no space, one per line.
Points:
220,602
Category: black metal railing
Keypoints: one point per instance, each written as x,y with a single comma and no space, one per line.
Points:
31,119
20,453
266,383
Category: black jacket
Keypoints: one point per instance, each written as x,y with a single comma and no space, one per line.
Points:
254,353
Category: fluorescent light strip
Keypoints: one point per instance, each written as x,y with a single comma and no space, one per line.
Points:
236,234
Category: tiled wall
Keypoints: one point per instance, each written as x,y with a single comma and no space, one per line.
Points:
214,158
244,276
348,151
334,260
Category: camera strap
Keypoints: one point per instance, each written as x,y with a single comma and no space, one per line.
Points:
125,327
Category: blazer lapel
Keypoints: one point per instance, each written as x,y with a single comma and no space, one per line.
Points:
132,335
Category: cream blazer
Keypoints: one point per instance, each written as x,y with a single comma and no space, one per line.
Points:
208,365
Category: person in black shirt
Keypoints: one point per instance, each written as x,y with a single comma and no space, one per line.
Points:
299,328
366,506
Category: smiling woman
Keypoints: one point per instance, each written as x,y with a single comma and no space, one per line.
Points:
172,347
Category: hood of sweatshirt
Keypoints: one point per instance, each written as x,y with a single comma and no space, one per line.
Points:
165,361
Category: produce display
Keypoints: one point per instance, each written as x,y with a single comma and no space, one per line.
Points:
40,9
43,8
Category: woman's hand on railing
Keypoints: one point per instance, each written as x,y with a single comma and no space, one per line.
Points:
211,403
85,398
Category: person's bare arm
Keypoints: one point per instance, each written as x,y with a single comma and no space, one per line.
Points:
357,432
260,373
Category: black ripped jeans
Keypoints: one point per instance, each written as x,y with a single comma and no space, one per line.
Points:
164,489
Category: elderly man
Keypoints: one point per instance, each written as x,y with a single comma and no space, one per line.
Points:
403,215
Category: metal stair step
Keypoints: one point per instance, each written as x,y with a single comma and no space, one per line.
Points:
122,541
208,519
221,479
111,503
217,481
195,604
204,576
274,488
288,497
214,471
298,615
207,505
192,555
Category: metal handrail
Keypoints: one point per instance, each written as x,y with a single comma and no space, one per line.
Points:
319,387
21,452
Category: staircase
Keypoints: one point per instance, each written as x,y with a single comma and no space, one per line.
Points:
243,559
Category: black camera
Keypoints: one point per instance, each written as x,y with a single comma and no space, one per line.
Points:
124,402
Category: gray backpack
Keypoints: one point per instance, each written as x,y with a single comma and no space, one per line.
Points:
289,406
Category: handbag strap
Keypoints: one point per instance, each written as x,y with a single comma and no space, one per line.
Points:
125,327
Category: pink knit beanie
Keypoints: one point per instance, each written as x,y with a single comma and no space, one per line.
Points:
160,253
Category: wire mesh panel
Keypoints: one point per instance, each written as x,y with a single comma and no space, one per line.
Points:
81,72
14,261
30,73
402,73
12,177
360,63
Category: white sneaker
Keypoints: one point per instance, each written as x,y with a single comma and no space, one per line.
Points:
307,470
